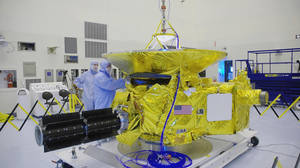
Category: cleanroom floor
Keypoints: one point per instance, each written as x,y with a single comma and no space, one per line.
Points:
277,137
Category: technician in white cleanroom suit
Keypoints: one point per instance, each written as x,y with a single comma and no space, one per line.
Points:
106,86
86,81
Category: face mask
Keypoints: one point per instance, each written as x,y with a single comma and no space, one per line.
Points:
94,68
108,70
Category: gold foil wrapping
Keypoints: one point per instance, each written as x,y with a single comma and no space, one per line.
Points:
148,108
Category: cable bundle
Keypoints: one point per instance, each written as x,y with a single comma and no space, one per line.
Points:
158,159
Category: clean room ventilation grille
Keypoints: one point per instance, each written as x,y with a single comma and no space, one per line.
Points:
28,81
96,39
96,31
95,49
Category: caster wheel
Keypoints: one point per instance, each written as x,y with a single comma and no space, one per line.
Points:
296,106
254,141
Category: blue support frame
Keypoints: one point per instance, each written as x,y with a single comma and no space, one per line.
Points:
286,84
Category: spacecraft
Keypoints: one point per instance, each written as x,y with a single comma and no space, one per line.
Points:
166,106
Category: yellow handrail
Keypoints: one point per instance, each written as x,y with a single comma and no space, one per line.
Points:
44,108
290,107
29,115
13,125
278,164
60,105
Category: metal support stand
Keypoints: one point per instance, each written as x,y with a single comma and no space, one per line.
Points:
74,156
49,106
80,108
225,149
63,104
